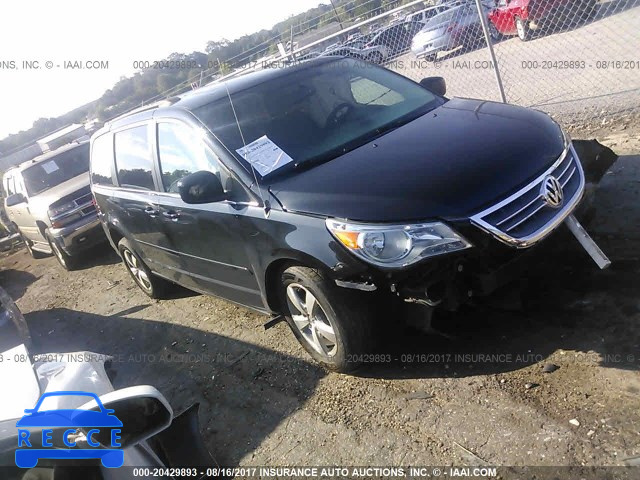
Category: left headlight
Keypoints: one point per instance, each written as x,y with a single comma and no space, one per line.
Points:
395,246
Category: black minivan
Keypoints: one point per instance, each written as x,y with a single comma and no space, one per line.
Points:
316,191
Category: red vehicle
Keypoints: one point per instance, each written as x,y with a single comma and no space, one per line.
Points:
522,17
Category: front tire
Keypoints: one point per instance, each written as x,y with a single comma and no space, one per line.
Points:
152,285
67,262
331,323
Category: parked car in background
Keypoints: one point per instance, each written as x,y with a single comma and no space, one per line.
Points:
325,190
458,26
396,38
357,49
424,15
373,27
523,17
49,202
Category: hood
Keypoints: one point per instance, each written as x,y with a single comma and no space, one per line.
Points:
39,204
449,163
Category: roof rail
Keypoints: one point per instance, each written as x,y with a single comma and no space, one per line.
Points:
161,103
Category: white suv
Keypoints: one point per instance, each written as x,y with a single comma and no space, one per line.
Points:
49,202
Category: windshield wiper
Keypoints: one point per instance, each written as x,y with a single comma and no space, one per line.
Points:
358,142
403,120
378,97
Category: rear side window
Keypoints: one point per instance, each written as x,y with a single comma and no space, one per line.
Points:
102,160
133,158
181,153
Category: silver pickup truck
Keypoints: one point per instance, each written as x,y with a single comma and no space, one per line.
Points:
49,202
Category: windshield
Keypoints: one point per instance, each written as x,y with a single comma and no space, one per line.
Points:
56,170
314,114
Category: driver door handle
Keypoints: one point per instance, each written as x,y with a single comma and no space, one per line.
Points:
151,211
171,215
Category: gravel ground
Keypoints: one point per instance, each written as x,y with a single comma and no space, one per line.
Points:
264,403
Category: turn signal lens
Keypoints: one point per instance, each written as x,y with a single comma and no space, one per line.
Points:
349,239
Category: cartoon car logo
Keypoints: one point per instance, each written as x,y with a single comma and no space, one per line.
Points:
76,426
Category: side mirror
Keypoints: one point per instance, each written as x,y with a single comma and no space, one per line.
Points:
15,199
201,187
143,411
435,85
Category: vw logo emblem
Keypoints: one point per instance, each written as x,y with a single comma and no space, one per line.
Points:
551,192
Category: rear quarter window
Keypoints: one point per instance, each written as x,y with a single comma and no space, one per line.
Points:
134,162
102,160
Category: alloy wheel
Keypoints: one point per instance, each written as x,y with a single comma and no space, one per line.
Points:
311,320
139,275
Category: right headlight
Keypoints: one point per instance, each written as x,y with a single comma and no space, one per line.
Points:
396,246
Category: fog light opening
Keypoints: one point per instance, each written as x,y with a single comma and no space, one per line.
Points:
434,294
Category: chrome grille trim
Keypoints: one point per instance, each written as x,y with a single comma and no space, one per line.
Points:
565,169
524,219
572,198
79,209
564,182
535,199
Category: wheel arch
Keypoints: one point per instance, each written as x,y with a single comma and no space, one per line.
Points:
273,273
42,228
114,235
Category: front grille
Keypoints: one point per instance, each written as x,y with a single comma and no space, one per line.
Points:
526,217
83,201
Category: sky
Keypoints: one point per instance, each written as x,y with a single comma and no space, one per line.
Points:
119,32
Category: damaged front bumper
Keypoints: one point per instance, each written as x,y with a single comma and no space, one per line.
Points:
506,233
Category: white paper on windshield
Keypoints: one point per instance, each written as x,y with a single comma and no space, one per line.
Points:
50,167
264,155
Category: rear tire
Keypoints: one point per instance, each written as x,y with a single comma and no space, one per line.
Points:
152,285
522,27
331,323
67,262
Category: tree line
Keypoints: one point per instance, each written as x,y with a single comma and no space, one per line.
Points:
222,55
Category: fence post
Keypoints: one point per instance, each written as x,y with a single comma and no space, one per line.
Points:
487,38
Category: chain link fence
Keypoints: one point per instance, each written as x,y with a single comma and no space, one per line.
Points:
578,60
